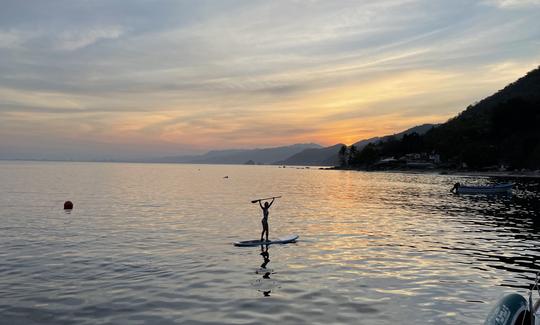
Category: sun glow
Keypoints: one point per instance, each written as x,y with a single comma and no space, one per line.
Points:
250,76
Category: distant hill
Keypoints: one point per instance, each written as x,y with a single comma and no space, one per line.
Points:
328,156
502,129
241,156
420,129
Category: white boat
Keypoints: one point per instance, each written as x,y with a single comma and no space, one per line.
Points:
487,189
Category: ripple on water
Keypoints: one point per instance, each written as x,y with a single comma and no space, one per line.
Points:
150,244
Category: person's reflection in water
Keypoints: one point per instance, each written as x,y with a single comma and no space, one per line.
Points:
266,260
265,255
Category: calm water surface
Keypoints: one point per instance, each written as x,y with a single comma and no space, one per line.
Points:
151,244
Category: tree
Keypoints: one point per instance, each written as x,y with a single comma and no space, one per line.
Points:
343,156
352,155
368,156
478,155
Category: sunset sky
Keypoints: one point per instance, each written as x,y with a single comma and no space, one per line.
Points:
124,79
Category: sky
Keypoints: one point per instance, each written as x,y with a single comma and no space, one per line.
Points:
106,79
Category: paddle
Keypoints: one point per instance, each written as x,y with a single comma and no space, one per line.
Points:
268,198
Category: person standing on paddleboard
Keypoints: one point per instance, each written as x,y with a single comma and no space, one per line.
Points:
264,220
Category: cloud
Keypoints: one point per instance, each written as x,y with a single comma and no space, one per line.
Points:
204,74
11,39
513,3
77,39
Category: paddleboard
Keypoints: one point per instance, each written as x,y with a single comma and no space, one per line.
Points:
256,242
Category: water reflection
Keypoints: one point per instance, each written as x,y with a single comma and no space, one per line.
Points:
265,284
499,232
266,258
376,247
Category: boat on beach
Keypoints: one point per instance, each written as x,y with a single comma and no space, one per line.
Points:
486,189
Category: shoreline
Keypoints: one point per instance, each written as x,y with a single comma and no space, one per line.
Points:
448,172
529,174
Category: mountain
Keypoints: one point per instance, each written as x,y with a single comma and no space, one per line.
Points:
327,156
419,129
526,87
502,129
241,156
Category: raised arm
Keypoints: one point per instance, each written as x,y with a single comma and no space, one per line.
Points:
260,204
271,202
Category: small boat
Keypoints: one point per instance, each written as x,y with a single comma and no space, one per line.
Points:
514,309
487,189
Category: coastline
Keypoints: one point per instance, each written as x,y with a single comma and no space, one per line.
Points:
449,172
528,174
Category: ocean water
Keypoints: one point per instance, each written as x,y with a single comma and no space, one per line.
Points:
151,244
